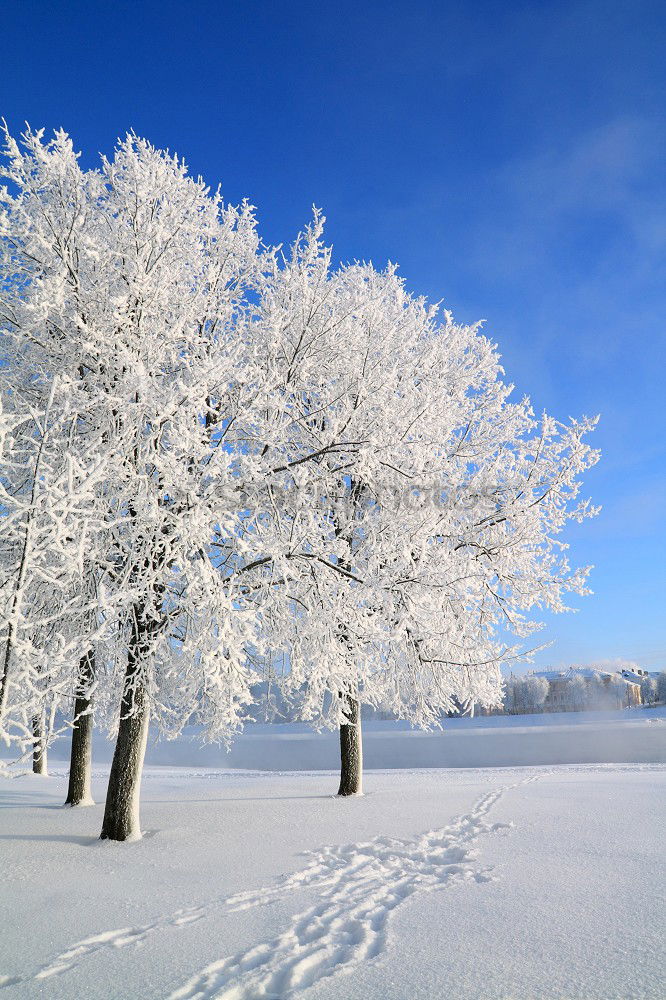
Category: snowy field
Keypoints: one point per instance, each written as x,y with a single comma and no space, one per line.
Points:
477,882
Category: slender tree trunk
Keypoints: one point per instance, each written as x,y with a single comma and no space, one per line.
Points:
79,791
351,739
121,813
351,749
4,678
39,746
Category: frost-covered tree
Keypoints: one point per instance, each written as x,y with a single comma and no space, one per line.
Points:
525,694
661,686
52,473
42,540
648,690
118,285
509,700
429,534
583,691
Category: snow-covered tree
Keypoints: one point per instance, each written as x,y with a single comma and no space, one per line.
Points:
430,532
648,690
509,699
118,285
582,691
42,542
537,692
661,686
525,694
52,473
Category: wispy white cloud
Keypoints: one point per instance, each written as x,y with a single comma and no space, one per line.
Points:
538,203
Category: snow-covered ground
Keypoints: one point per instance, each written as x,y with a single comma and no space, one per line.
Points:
521,882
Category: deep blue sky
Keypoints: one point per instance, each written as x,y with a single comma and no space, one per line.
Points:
510,156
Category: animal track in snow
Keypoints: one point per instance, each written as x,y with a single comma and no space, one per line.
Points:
360,885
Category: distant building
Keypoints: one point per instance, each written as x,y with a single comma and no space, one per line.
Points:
637,676
580,689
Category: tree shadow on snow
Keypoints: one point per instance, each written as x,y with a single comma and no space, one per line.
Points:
23,800
51,837
240,798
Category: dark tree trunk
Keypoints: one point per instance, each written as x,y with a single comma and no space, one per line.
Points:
351,740
79,791
4,686
39,746
351,749
121,813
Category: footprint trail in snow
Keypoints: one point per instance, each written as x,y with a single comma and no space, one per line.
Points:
359,884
